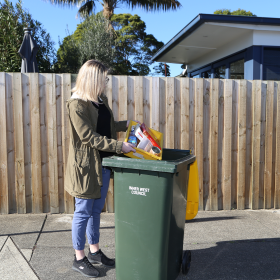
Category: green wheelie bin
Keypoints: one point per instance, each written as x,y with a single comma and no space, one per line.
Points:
150,210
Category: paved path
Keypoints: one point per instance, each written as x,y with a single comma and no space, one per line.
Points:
225,245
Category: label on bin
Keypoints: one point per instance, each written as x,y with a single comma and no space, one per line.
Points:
139,191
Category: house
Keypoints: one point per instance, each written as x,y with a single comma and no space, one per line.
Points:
226,47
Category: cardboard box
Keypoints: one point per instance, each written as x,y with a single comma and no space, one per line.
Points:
141,154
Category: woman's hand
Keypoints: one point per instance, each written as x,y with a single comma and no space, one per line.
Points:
127,147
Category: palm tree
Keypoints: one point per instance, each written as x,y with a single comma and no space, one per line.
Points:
86,7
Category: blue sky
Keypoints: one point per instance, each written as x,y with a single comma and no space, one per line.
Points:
163,25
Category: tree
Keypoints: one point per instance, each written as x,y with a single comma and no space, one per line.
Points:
67,56
127,49
134,47
160,69
97,40
13,19
238,12
93,39
88,6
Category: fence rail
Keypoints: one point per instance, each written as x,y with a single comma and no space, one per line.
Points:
232,126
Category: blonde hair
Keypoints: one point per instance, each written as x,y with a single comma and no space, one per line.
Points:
91,80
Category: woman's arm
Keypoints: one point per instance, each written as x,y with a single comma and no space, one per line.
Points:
121,126
88,136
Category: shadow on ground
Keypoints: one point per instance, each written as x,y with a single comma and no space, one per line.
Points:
253,259
211,219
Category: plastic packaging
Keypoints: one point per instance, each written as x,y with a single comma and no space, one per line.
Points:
147,132
132,138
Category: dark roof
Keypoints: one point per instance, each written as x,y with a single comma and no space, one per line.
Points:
202,18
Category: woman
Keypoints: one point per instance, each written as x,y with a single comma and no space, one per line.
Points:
92,137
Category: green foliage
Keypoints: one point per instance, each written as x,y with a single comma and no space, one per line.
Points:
10,37
13,19
134,47
160,69
67,56
93,39
123,45
238,12
97,40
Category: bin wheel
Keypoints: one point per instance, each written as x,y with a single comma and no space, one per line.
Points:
186,262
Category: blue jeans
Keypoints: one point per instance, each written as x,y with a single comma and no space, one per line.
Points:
86,218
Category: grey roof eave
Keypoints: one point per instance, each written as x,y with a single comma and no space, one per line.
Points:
202,18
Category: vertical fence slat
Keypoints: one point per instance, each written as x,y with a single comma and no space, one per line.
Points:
241,167
185,114
220,143
206,144
249,137
170,93
58,85
256,146
52,143
274,134
4,188
19,144
277,157
27,140
177,113
214,144
155,121
226,178
162,112
147,85
10,143
109,88
115,97
66,94
268,144
234,147
44,141
122,103
262,143
192,115
37,203
199,83
138,97
130,98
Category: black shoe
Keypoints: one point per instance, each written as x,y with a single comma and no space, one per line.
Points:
100,258
85,267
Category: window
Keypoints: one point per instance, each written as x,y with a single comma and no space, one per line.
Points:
206,74
195,76
220,73
271,64
237,69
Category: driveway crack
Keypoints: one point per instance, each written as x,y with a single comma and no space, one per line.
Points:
38,237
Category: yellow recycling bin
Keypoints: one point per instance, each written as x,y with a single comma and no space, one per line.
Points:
193,192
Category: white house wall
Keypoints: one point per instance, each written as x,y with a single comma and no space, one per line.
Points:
266,38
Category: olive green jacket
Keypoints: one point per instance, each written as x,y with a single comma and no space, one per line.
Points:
83,177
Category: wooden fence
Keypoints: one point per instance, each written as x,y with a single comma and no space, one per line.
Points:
232,126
